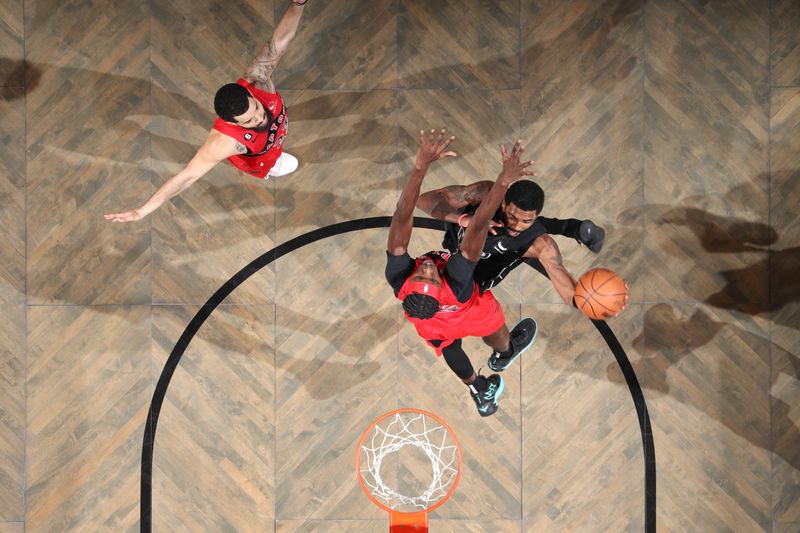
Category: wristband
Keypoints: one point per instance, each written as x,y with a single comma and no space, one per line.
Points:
460,219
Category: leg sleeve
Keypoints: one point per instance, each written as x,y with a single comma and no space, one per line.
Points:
567,227
457,360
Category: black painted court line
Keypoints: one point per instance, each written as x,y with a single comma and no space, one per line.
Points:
642,414
148,441
644,423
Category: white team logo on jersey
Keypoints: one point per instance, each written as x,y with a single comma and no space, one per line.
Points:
500,248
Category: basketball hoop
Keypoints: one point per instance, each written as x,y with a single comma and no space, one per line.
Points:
425,473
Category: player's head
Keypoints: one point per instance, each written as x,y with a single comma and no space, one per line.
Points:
523,203
420,293
234,103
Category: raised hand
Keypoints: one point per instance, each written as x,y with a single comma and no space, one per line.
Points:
433,148
513,169
126,216
625,303
465,220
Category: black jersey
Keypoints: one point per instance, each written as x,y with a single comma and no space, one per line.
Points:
501,253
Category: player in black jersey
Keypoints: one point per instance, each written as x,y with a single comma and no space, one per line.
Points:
518,234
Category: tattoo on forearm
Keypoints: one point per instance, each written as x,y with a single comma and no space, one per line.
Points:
467,195
242,149
473,196
553,252
441,209
260,70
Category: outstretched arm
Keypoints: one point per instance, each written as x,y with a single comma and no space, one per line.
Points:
216,148
546,250
259,73
430,150
513,169
444,203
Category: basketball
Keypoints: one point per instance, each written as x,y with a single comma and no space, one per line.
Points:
600,293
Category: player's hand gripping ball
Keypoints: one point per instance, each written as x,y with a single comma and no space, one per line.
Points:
601,294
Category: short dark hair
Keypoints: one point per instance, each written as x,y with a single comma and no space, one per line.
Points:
231,101
418,305
526,195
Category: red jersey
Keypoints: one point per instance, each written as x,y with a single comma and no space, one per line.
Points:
263,147
479,316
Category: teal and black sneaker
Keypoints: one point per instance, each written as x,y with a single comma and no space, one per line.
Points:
487,400
522,337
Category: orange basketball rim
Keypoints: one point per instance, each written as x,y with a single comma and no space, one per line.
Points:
428,439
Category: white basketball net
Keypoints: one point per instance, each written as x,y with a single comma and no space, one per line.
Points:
410,429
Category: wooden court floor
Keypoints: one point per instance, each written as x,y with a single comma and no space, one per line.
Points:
672,123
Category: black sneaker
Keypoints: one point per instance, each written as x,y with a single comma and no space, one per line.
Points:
521,339
591,235
487,400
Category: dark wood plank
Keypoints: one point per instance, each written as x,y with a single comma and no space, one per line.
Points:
706,161
475,44
12,405
12,189
12,72
582,117
92,74
784,308
342,45
785,49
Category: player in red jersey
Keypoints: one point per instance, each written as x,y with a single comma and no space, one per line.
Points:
251,127
438,292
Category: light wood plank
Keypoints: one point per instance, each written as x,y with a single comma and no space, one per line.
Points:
87,400
13,409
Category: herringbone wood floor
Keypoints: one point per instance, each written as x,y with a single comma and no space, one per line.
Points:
673,123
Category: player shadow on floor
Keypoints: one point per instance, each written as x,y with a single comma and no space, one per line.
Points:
326,206
667,339
334,361
180,125
762,288
19,78
170,145
169,139
320,376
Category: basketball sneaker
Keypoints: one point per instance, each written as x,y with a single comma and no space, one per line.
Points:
592,235
486,400
285,165
522,337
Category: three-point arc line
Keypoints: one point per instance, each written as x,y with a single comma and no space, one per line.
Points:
148,443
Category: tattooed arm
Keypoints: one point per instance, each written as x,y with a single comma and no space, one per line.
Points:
444,203
475,234
546,251
259,73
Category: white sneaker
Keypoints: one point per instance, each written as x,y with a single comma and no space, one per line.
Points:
286,164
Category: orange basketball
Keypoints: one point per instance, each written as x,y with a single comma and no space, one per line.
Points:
600,293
